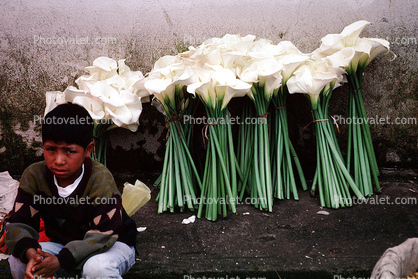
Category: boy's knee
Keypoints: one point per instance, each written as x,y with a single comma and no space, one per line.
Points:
96,269
17,268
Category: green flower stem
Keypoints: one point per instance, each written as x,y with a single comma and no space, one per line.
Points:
360,146
245,139
261,185
162,195
333,179
179,175
283,152
101,138
219,185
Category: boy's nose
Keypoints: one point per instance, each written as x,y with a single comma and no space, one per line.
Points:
60,158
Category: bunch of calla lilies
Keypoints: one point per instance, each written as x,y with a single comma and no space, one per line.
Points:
261,163
112,95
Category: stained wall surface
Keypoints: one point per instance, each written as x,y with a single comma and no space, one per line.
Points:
45,45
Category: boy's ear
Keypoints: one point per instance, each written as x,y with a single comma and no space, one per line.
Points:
89,149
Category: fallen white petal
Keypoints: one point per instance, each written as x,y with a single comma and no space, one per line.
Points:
141,229
322,212
189,220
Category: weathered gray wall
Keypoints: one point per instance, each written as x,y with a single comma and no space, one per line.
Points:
31,62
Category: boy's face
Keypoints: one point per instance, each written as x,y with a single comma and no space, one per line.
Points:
65,160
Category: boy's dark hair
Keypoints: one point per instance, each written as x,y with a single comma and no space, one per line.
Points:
69,123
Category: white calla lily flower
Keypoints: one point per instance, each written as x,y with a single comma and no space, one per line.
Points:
351,32
267,73
169,73
92,105
126,116
289,48
332,43
312,77
290,63
205,90
103,68
133,103
53,99
116,82
107,94
366,49
138,88
86,82
71,92
377,47
130,77
220,89
119,115
219,51
341,58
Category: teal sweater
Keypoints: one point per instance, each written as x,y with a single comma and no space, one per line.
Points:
87,222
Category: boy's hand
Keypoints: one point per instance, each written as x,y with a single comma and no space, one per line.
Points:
33,259
45,267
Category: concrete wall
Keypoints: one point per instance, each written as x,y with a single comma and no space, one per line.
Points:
45,45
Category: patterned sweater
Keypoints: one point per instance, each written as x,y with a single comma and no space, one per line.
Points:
87,222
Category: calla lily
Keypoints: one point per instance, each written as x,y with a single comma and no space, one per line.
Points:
359,137
129,76
366,49
338,48
267,73
290,63
220,89
311,80
134,104
219,51
229,86
92,105
341,58
116,82
158,86
168,67
110,91
351,32
120,115
165,77
332,43
138,88
377,47
289,48
103,68
205,90
107,94
167,81
53,99
71,92
86,82
264,49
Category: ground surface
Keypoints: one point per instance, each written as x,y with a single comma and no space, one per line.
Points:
293,241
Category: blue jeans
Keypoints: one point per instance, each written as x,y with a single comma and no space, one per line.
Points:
111,264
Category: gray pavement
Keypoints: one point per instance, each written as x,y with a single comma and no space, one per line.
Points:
293,241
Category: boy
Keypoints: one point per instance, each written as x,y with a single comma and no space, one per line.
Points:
79,203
